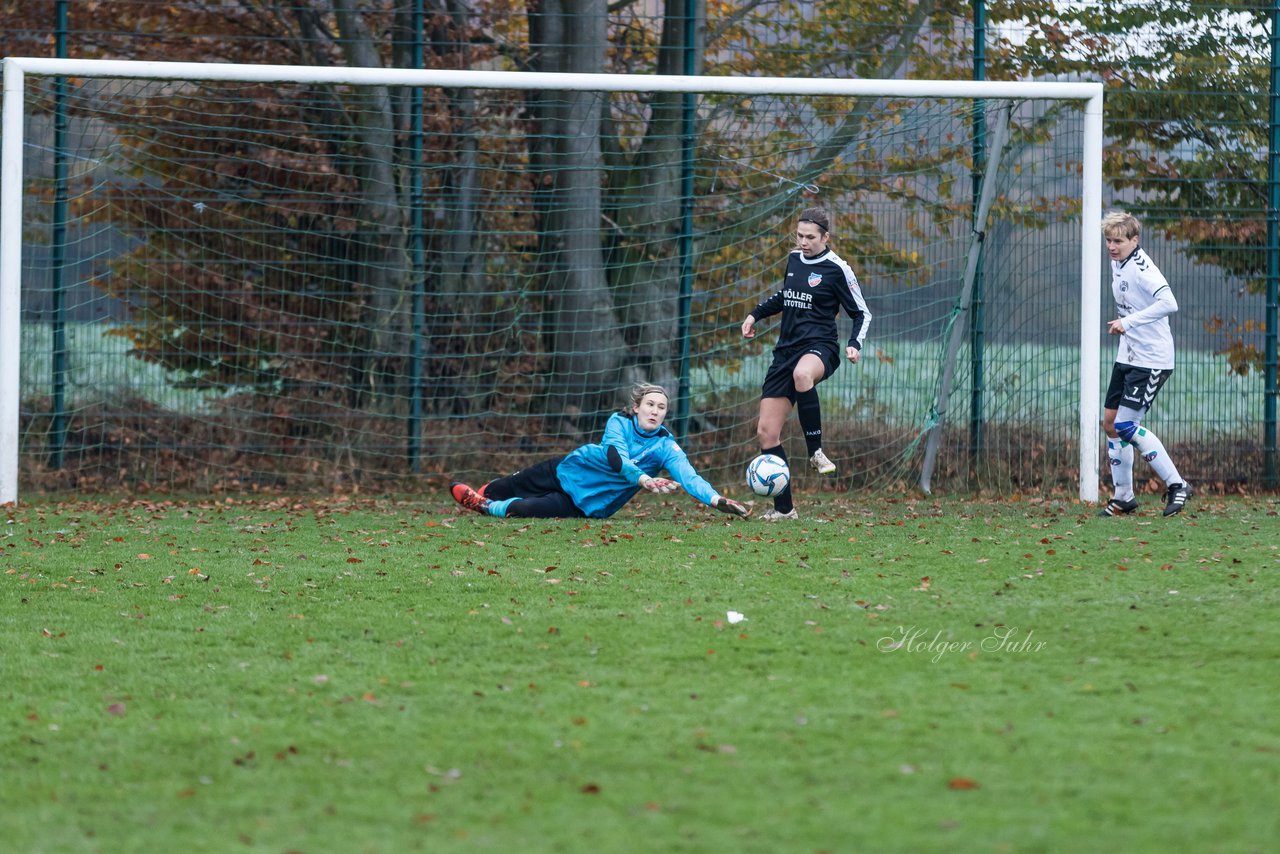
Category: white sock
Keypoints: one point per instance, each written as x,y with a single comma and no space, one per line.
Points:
1153,451
1120,454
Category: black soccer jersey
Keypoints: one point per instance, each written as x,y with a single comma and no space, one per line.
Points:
812,294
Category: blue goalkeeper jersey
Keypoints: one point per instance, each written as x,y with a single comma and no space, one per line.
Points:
601,478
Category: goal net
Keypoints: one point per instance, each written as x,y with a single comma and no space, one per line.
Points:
227,277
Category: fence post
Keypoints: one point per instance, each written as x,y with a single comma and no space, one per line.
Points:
418,254
687,143
977,318
58,259
1272,314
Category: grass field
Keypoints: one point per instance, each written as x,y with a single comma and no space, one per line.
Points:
382,676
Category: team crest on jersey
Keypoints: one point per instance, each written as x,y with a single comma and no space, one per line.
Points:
815,279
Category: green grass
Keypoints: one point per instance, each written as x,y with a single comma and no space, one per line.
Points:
380,676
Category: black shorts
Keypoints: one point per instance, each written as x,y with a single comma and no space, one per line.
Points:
538,487
778,381
1133,387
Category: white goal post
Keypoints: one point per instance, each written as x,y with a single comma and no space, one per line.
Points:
17,69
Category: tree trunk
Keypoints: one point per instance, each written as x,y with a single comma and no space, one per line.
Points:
646,271
457,277
382,261
570,36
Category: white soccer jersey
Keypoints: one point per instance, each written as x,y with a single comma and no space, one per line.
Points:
1144,302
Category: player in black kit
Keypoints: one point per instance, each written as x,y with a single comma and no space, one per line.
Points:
817,285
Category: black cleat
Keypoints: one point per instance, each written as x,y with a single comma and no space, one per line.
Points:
1177,496
1117,507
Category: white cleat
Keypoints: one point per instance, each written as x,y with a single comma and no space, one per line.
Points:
777,515
821,464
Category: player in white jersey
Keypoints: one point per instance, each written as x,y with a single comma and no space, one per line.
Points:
1144,361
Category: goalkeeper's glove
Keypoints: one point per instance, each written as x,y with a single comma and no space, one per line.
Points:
728,505
659,485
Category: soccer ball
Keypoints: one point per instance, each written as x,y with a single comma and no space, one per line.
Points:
768,475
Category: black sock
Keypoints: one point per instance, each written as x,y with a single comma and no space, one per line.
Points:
810,412
782,501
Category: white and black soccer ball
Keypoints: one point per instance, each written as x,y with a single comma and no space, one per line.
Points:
768,475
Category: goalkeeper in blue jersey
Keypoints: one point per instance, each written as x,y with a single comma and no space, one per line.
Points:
818,284
596,480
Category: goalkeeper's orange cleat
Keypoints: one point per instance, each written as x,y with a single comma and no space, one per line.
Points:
468,497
